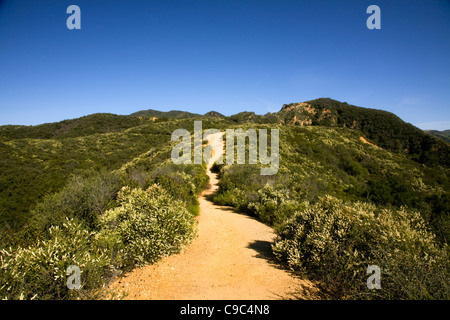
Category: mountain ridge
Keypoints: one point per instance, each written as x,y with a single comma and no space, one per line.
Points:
444,134
383,128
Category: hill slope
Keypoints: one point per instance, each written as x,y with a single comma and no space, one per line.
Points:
39,159
102,171
173,114
444,135
316,160
380,127
42,163
79,127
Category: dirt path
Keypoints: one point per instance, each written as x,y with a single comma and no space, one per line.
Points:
230,259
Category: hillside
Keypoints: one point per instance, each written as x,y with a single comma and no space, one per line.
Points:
316,160
35,166
214,114
444,135
92,124
339,203
381,127
39,159
96,174
173,114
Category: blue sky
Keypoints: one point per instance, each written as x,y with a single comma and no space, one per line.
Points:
223,55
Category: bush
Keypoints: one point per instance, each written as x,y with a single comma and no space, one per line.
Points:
83,198
336,242
232,197
183,182
82,225
273,206
39,272
181,186
146,226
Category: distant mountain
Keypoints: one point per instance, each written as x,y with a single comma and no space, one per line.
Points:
79,127
444,135
173,114
214,114
381,128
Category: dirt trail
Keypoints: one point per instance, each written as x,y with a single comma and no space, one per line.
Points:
230,259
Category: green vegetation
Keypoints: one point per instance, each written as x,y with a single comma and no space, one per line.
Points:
316,161
214,114
101,192
340,204
444,135
336,242
121,203
39,270
81,127
174,114
102,225
146,226
380,127
32,168
84,199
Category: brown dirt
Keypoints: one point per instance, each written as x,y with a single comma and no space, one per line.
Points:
365,141
229,260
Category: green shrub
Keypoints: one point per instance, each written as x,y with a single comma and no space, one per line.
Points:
232,197
82,225
83,198
39,271
336,242
273,207
183,182
146,226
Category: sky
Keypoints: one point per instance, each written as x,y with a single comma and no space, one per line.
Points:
223,55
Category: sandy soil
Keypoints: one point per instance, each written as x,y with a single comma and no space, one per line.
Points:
230,259
365,141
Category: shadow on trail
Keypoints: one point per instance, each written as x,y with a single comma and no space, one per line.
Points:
263,250
303,291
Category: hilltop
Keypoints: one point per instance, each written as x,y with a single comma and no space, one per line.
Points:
96,123
173,114
382,128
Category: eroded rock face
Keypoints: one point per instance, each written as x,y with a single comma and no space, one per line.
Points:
304,114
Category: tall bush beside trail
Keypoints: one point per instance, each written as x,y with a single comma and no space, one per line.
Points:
39,271
336,242
274,207
146,226
183,182
181,186
83,198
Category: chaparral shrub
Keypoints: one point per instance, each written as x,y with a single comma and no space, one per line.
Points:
146,226
39,271
336,242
